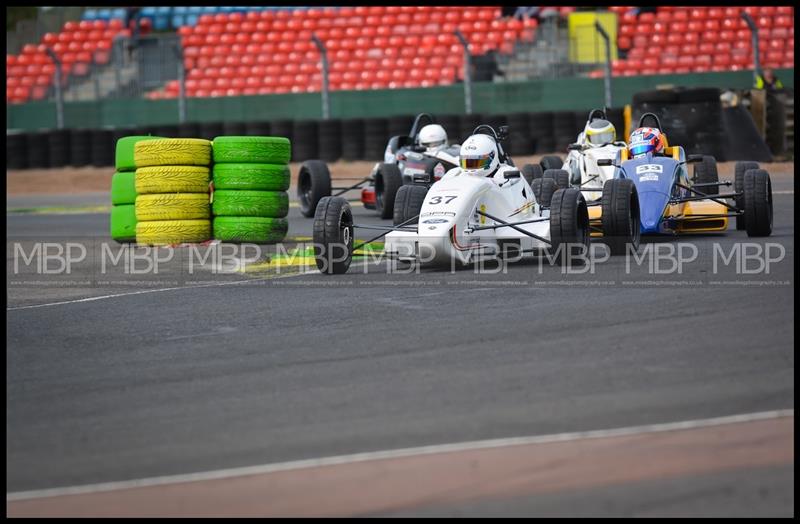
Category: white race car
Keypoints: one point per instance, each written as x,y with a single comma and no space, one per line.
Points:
482,208
580,169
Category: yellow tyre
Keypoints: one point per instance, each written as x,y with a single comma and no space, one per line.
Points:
172,206
161,232
172,152
172,179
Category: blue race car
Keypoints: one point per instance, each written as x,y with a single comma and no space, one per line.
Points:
668,201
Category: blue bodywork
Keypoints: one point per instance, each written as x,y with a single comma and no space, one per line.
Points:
655,177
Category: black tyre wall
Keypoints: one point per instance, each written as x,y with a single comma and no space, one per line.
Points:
305,143
38,149
376,135
80,147
353,139
330,140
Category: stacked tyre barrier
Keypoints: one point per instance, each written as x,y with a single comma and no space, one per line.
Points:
251,178
347,139
172,186
123,190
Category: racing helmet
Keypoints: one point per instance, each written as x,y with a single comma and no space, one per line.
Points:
646,140
432,136
479,156
599,132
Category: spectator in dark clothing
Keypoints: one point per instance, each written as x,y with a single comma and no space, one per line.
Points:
485,67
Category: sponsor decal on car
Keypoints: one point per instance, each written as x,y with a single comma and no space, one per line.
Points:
648,178
439,170
439,213
435,221
649,168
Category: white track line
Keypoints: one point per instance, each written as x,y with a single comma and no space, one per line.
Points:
396,453
104,297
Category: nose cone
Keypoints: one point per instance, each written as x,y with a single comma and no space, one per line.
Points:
651,205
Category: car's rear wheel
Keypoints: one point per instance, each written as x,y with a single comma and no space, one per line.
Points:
561,177
621,220
738,187
705,172
758,203
551,162
569,225
313,183
543,189
531,172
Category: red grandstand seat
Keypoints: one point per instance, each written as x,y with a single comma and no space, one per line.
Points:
691,38
706,48
694,26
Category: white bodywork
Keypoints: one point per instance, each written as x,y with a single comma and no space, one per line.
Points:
445,229
582,165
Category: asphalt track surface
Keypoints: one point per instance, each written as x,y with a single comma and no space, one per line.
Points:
264,371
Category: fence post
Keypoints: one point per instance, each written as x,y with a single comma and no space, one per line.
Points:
607,76
58,92
178,48
467,72
326,106
754,32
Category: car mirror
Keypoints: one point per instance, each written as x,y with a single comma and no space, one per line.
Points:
511,174
694,158
605,162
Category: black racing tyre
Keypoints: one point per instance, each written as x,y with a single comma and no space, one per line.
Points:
657,96
408,203
17,150
333,235
561,177
698,94
58,148
252,149
80,147
38,151
621,219
243,203
258,230
313,183
353,139
388,180
758,203
706,172
551,162
259,177
546,189
531,172
233,128
259,128
738,187
330,140
569,224
306,140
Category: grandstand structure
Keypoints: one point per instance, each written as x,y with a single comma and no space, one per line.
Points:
231,51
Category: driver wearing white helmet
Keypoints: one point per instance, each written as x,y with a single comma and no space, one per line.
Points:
433,137
479,156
